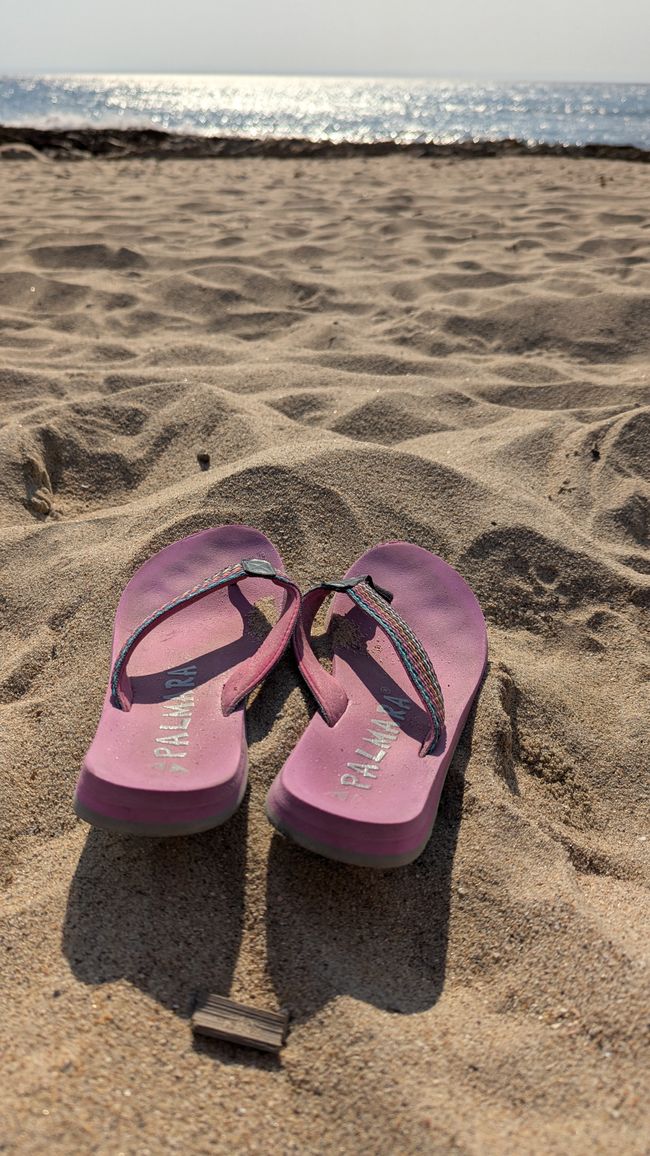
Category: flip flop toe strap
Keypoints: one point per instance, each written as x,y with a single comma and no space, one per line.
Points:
248,674
330,695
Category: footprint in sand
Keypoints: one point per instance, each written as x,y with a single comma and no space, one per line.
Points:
40,498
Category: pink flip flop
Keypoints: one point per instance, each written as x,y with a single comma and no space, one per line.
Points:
170,755
363,783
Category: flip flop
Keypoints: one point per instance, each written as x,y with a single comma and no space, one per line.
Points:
363,783
170,755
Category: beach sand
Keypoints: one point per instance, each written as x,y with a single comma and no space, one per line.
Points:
451,352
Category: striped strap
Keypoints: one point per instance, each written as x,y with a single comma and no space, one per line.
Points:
329,694
247,674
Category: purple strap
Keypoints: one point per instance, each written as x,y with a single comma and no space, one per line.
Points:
329,694
248,674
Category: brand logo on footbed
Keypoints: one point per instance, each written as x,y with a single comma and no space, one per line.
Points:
173,733
382,732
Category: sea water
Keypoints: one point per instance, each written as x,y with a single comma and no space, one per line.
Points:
337,109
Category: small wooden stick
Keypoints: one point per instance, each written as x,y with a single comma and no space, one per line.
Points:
226,1020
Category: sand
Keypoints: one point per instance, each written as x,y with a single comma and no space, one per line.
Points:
451,352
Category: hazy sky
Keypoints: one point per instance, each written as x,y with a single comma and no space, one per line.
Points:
500,39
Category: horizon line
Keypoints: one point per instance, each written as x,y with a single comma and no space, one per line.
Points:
384,76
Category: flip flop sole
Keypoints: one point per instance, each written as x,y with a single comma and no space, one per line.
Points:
156,830
343,855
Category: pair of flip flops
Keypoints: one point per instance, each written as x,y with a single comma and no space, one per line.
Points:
408,647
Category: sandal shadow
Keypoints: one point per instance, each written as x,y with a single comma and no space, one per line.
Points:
378,936
165,914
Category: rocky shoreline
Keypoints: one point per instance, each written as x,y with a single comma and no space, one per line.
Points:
73,144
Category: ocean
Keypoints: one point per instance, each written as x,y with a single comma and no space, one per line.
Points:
334,108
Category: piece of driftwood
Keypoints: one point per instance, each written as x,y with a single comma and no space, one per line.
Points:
226,1020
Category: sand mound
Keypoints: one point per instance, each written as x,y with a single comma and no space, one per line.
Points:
452,353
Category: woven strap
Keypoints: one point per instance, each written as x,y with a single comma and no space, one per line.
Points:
247,674
329,694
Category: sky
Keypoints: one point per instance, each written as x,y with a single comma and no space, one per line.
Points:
597,40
